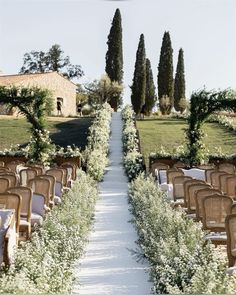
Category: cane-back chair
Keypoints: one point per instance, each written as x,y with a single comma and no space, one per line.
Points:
215,178
156,166
26,175
4,184
227,167
231,187
178,188
223,182
173,173
230,226
192,190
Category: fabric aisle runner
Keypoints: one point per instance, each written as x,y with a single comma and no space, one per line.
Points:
109,266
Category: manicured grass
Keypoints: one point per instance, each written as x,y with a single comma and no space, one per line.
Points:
169,133
64,131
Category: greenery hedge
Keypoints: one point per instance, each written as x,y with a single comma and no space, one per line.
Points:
180,260
44,265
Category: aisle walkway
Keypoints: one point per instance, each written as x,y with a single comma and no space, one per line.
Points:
108,266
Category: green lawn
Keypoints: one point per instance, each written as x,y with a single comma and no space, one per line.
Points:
64,131
169,132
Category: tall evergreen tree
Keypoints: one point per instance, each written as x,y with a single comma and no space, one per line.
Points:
165,74
114,55
150,96
138,87
179,89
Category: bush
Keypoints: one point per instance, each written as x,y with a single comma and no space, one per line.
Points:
45,264
180,261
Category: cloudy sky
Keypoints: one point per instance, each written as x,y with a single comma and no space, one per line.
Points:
205,29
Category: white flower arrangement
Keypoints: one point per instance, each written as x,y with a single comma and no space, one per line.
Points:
180,260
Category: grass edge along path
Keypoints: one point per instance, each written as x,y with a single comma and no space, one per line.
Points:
181,262
44,265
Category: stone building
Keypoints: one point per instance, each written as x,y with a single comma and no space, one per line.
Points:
62,89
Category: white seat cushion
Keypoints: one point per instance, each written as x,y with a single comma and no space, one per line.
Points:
36,219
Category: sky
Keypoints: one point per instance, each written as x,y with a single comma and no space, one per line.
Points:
205,29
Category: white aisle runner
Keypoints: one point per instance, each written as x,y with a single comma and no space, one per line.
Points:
108,266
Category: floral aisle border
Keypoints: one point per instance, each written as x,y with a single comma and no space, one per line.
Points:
96,152
44,265
181,261
133,159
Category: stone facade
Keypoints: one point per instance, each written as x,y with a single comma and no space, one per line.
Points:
59,86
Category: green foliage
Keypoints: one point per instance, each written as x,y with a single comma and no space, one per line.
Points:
53,60
150,97
138,87
203,104
45,264
165,74
179,89
34,103
179,258
103,90
114,57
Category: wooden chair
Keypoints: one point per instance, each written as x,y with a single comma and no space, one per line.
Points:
178,189
8,236
173,173
13,165
41,186
156,166
26,175
25,212
215,209
215,178
4,184
74,169
61,178
12,201
12,178
2,163
230,226
53,199
223,182
179,164
192,190
227,167
208,174
231,187
39,169
187,183
199,196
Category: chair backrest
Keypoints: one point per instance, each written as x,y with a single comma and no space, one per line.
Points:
74,167
13,165
231,187
215,209
41,186
4,184
57,173
12,178
157,166
173,173
69,169
26,175
4,170
52,180
26,198
208,174
206,166
223,181
215,178
187,183
178,186
199,196
230,226
192,190
12,201
233,209
65,176
227,167
2,163
37,168
179,164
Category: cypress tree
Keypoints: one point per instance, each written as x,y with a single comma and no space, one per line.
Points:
150,97
138,87
114,55
165,75
179,89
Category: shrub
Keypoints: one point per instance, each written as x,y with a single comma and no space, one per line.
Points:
180,261
45,264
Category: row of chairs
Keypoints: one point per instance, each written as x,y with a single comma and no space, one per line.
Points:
212,202
32,191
